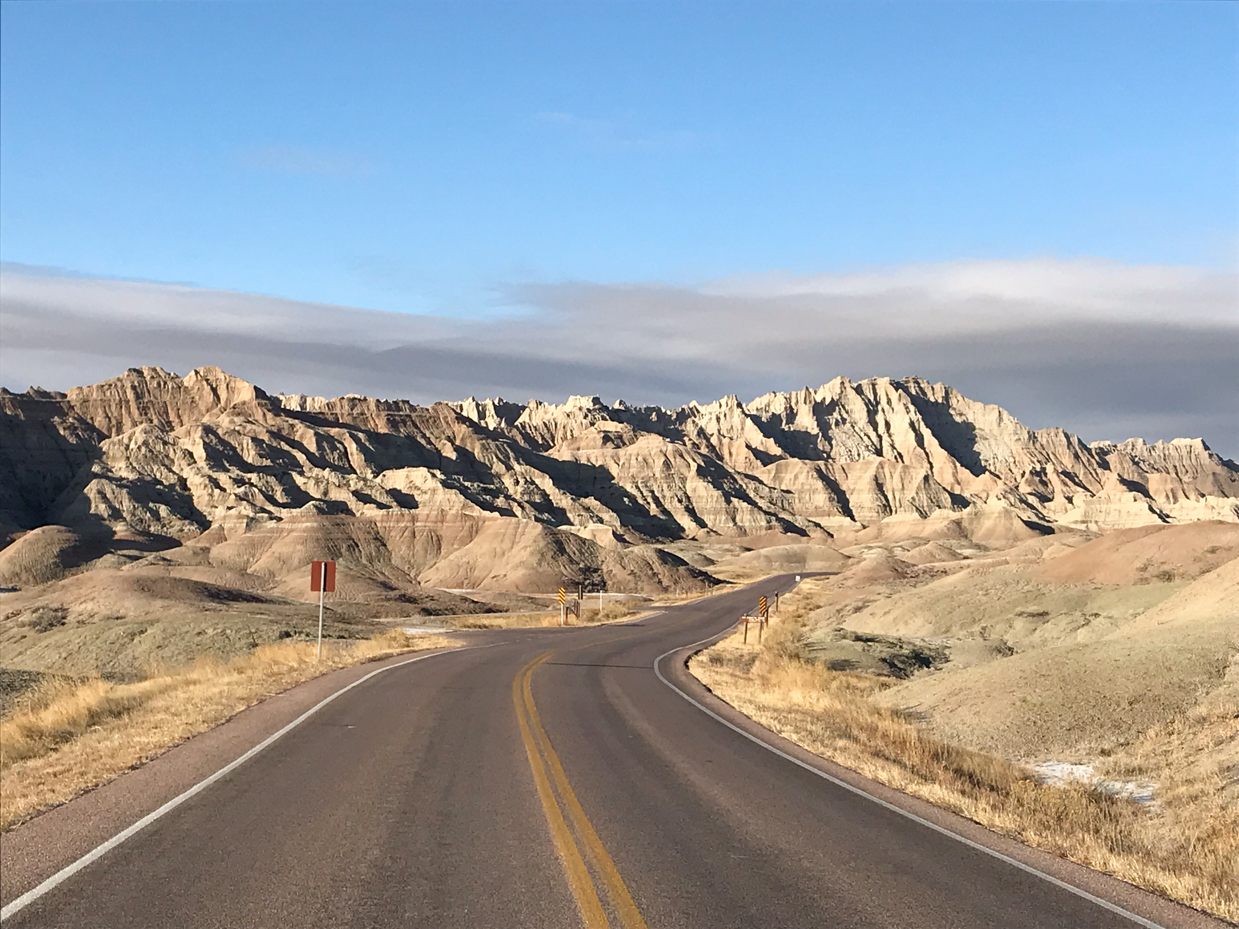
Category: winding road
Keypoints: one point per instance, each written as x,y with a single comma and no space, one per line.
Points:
538,778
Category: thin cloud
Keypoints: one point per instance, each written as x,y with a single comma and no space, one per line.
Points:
304,161
964,292
1151,353
618,135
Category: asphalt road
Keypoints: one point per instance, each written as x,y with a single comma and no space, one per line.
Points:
552,779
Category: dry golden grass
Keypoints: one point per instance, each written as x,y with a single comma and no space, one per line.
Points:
519,620
610,613
67,737
590,616
1186,848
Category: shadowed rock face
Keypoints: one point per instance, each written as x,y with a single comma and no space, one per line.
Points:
151,454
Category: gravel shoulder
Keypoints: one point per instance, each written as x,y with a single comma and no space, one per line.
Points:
38,848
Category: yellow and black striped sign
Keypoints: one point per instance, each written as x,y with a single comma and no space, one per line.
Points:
764,606
563,596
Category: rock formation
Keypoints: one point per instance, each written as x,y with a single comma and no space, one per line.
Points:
480,493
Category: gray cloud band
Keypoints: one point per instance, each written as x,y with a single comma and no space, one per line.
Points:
1090,372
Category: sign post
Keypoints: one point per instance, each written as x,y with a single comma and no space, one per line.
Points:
563,607
750,618
323,580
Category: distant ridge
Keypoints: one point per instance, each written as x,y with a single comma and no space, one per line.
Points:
150,455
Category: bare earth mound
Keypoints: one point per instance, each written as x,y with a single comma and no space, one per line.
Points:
529,557
129,623
782,559
46,554
1148,554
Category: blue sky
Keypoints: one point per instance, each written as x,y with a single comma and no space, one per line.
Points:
411,157
1035,202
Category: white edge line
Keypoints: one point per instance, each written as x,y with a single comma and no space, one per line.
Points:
1105,904
13,907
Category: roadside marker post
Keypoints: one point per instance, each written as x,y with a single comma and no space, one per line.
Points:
322,579
563,607
761,618
750,618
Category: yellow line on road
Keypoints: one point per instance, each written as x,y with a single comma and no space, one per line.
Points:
579,881
621,899
537,745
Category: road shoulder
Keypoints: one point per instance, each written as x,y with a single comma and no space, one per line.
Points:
42,846
1158,910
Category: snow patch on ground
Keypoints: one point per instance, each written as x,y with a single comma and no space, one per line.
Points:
1058,773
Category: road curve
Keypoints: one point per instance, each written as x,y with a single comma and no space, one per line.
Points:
553,779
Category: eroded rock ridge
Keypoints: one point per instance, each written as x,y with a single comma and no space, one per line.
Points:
151,455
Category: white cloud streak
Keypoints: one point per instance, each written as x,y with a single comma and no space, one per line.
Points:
1100,348
619,135
304,160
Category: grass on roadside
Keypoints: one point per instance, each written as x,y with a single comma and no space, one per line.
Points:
67,737
590,615
1187,852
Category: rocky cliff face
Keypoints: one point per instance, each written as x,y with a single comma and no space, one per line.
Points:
151,455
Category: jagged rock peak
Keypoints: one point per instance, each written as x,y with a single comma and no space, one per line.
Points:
302,403
582,402
151,451
153,396
729,403
34,393
1137,445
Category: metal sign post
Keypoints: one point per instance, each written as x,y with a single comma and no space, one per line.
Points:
323,580
750,618
563,607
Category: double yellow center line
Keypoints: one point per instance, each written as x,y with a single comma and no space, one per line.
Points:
557,797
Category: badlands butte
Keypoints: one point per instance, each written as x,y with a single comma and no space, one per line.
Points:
153,517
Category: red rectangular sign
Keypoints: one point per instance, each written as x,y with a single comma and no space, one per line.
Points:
319,578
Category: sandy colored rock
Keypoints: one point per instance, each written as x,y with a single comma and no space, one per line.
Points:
1065,700
232,485
156,454
1147,554
46,554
